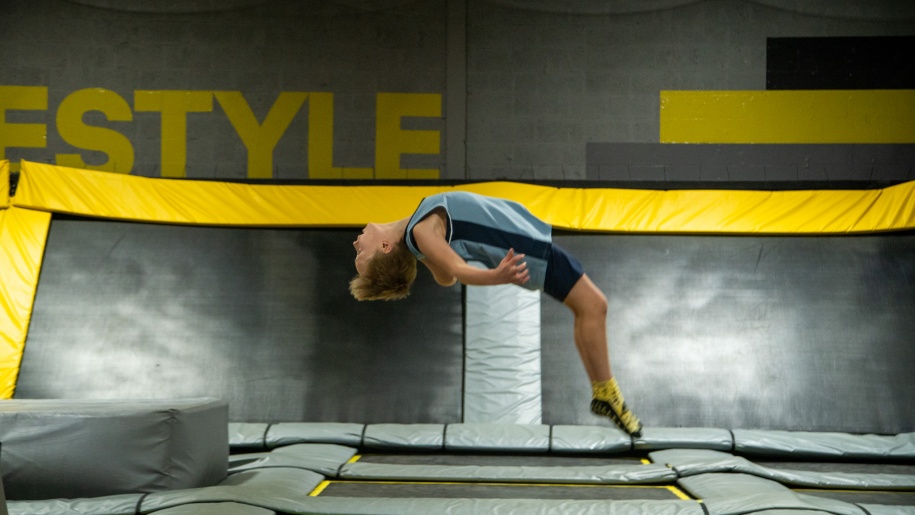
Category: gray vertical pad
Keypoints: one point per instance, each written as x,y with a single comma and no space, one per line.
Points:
91,448
502,355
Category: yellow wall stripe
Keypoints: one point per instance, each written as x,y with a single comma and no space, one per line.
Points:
116,196
23,234
830,116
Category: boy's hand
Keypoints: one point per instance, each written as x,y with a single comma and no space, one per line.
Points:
512,270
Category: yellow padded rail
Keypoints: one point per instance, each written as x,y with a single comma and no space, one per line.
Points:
22,239
814,116
4,184
123,197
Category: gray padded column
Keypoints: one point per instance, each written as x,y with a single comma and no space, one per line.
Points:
502,357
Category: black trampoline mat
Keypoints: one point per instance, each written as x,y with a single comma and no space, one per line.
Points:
498,460
496,491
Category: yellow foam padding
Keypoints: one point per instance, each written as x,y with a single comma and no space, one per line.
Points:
814,116
4,183
22,239
108,195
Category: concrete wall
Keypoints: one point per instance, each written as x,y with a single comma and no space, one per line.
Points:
495,89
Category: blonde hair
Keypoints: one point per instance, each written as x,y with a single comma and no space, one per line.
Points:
389,276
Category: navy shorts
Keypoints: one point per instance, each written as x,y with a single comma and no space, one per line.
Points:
563,270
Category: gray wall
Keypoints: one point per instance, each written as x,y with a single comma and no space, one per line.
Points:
525,86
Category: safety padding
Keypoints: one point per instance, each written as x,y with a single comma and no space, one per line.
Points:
108,505
91,448
654,438
690,462
497,437
290,433
602,475
325,459
797,444
4,184
728,494
248,436
415,437
57,189
590,439
216,508
283,490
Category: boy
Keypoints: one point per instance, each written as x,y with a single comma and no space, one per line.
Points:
449,229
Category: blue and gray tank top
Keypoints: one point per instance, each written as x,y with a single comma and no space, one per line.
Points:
483,228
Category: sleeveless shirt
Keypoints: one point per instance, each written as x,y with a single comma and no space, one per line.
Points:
483,229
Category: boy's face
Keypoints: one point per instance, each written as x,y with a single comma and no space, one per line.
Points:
366,244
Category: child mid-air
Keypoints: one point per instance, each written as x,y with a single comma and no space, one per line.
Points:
449,229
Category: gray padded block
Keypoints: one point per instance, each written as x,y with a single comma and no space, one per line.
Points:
248,436
325,459
821,445
603,475
110,505
683,438
92,448
419,437
693,462
283,490
216,508
497,437
290,433
590,439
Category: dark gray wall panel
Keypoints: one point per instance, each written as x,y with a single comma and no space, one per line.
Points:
261,318
840,63
798,333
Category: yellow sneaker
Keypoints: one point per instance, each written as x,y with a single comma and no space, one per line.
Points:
608,402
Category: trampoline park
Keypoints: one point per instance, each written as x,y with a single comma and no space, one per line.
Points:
189,347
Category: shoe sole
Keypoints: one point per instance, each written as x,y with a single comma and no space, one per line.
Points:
603,409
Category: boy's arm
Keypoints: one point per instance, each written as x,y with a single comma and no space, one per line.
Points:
440,276
446,265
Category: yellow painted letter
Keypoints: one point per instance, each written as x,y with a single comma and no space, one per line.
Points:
174,106
391,141
260,139
71,128
31,135
321,141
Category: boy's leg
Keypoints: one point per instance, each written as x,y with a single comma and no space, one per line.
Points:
589,305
